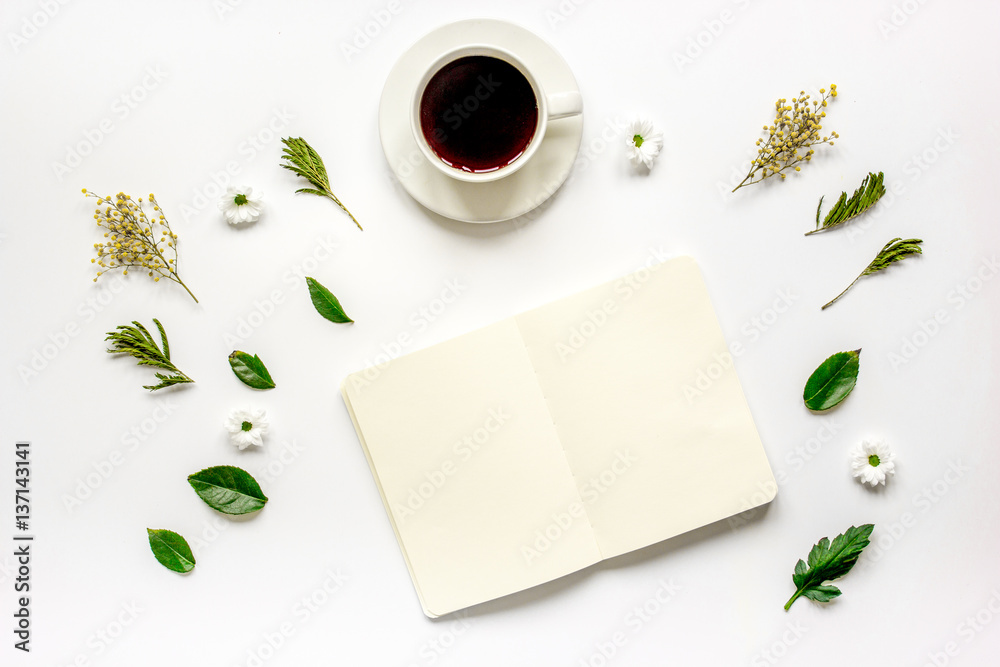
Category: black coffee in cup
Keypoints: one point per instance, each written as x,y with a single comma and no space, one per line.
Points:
478,113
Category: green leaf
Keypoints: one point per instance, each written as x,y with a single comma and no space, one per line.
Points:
137,342
326,303
229,489
845,210
171,550
250,370
827,562
894,251
303,160
832,381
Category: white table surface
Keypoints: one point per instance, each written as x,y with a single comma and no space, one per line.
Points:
918,101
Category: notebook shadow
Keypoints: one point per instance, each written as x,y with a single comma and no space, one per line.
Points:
654,552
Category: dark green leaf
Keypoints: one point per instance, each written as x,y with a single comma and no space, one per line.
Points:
827,562
229,489
832,381
250,370
171,550
326,303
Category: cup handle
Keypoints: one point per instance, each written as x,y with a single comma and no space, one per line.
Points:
563,105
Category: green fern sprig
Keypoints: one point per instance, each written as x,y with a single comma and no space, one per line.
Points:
137,342
866,196
894,251
306,162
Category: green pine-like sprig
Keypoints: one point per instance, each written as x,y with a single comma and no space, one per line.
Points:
894,251
305,161
866,196
137,342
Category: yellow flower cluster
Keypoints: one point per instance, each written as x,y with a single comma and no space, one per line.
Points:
135,240
791,136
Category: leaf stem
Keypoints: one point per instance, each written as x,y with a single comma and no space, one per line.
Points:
842,293
793,599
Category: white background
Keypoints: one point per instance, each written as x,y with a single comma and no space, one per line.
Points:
917,83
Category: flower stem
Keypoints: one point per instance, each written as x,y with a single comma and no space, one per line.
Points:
792,599
744,182
841,294
181,283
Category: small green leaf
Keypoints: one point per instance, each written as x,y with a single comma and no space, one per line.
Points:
250,370
832,381
326,303
171,550
228,489
827,562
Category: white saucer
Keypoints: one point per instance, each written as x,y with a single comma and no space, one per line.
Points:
508,197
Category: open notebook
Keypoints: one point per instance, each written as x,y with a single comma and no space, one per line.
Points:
581,430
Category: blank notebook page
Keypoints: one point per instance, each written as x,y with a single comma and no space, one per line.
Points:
471,406
651,461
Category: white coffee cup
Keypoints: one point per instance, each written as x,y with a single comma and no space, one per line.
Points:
551,106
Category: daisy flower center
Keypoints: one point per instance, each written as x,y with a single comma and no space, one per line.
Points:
637,140
247,425
240,200
873,460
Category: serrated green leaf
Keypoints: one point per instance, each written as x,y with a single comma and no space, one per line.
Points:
827,562
171,550
326,303
832,381
250,370
228,489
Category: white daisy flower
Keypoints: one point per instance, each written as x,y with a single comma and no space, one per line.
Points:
241,204
643,141
247,427
872,462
